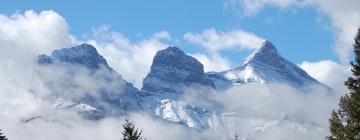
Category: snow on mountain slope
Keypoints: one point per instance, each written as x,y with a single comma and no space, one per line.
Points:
82,76
263,128
267,66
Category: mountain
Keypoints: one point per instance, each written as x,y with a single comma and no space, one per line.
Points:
172,71
266,65
80,80
81,76
83,55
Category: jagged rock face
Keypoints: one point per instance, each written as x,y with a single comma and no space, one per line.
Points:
81,75
84,54
171,72
267,66
172,69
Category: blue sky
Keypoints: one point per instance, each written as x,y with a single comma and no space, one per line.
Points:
300,34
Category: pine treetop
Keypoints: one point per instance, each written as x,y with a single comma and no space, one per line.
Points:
2,137
129,132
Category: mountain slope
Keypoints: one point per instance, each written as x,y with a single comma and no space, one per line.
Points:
81,76
172,70
267,66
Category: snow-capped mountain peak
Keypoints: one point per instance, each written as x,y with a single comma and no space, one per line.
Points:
266,65
267,50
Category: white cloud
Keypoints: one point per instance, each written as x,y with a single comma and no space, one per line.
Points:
344,16
251,7
23,37
214,41
271,112
38,32
213,63
328,72
217,40
162,35
131,59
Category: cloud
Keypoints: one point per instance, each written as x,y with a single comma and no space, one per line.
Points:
271,112
256,112
38,32
344,16
214,41
131,59
162,35
23,37
213,63
328,72
217,40
251,7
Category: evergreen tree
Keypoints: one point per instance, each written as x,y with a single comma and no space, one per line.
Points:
129,132
345,122
236,136
2,137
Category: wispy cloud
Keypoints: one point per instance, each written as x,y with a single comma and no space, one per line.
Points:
131,59
328,72
344,16
214,41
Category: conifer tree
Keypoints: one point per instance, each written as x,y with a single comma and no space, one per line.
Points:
345,122
2,137
236,136
129,132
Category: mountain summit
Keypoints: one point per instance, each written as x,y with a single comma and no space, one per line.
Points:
265,53
84,54
266,65
90,86
81,76
172,70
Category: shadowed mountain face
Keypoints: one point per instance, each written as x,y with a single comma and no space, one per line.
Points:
172,70
81,76
84,55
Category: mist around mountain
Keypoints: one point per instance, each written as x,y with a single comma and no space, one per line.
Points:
76,92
